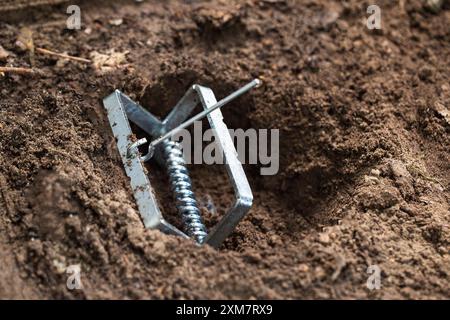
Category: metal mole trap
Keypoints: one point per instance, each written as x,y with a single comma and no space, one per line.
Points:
121,109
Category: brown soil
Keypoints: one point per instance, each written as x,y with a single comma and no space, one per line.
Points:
364,177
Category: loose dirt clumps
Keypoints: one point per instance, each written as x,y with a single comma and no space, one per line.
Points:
364,150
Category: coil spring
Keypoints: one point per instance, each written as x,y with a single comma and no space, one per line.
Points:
182,188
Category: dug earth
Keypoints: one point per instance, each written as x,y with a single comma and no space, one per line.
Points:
358,207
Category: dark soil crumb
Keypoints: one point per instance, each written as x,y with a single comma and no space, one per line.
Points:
364,119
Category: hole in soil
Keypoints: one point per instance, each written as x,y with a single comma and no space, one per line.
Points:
213,189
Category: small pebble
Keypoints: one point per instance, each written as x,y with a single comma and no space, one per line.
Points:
116,22
3,54
434,5
324,238
375,172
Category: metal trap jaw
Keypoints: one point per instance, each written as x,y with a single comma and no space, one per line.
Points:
121,109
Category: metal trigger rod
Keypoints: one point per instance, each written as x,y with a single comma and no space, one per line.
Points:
204,113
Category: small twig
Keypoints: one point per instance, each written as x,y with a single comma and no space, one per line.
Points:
17,70
62,55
